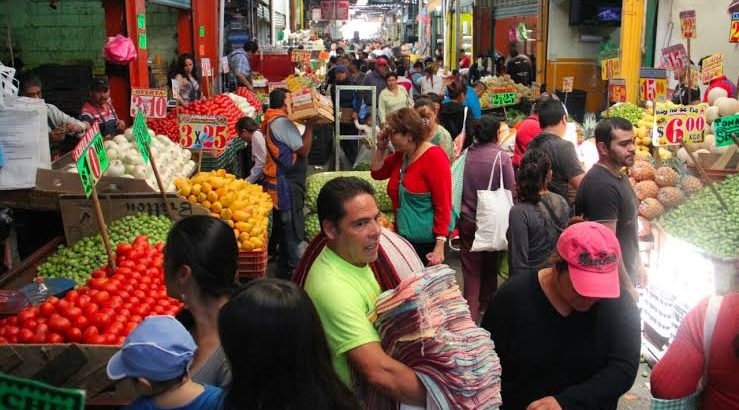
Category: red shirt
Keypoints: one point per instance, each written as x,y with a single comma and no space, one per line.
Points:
528,129
679,371
432,173
465,62
721,82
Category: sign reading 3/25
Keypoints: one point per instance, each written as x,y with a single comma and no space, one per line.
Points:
203,132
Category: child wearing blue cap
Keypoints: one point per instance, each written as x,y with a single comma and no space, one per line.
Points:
157,357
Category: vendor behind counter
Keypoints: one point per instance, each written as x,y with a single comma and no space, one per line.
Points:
98,109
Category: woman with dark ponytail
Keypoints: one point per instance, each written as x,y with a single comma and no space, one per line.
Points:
200,270
534,224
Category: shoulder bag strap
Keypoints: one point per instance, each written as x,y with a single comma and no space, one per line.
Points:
552,215
492,172
709,324
464,120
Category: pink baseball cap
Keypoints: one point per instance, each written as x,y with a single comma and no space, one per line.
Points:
592,253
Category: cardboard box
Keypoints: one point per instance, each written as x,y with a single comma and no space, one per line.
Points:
76,366
312,106
78,213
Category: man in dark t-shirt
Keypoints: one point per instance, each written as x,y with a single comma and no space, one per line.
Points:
606,196
566,169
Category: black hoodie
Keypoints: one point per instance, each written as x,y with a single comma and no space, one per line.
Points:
451,116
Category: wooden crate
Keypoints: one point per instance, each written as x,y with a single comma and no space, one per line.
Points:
23,273
312,106
76,366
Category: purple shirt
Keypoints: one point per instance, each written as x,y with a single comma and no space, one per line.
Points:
479,163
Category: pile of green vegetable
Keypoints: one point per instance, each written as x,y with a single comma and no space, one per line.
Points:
625,110
78,261
703,222
315,182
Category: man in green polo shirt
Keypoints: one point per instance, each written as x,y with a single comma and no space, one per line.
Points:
344,290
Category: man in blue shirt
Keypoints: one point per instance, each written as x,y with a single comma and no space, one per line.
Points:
238,62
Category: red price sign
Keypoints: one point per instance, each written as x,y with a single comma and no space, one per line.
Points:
86,139
687,24
675,56
151,101
653,89
617,90
203,132
610,68
734,32
682,122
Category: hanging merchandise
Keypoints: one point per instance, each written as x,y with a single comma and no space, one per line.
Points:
119,50
522,32
425,324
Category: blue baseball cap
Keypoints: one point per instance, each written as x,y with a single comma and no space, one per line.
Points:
158,349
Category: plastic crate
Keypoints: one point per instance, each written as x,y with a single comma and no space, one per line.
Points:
252,264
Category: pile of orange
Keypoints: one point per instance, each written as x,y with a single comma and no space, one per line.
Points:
243,206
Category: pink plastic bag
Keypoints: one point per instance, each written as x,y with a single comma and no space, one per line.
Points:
119,50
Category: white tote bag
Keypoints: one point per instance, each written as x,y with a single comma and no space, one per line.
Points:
493,208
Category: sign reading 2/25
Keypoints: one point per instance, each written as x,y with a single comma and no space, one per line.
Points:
203,132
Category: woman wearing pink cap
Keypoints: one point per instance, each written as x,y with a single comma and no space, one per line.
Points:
567,336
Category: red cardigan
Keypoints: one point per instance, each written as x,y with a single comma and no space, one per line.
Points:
432,173
677,374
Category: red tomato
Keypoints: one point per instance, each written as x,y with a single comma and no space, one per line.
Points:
30,324
128,264
120,318
9,331
47,309
3,341
98,283
120,276
59,324
73,335
140,294
123,249
159,246
54,338
134,300
141,268
108,339
159,310
98,274
83,290
150,301
89,334
110,287
81,322
83,301
101,297
53,300
72,296
115,328
39,337
141,310
90,310
128,327
25,335
13,320
136,319
145,279
73,313
101,320
26,314
123,294
43,327
127,306
121,340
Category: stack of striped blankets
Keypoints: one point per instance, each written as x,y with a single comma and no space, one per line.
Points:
425,323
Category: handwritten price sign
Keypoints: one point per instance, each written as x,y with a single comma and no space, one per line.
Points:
610,68
713,67
683,122
503,97
301,56
617,90
687,24
92,164
734,32
726,127
203,132
675,57
653,84
151,101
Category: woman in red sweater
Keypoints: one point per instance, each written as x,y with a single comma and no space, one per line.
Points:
683,365
420,185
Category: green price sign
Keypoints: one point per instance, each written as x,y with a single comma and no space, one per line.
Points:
726,127
141,21
142,41
202,31
92,164
141,134
504,99
17,393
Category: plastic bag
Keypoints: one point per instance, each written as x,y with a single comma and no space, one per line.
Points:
119,50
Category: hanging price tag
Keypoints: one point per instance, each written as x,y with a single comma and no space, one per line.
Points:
687,24
610,68
617,90
92,164
151,101
734,31
503,97
713,68
653,84
682,122
675,57
207,68
203,132
567,84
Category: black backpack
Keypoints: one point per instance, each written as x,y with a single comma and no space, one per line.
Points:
520,70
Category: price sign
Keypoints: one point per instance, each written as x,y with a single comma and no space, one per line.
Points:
675,57
18,393
687,24
682,122
567,84
617,90
535,91
275,85
141,135
653,84
203,132
610,68
152,101
207,68
92,164
300,56
725,127
734,31
503,97
713,67
85,141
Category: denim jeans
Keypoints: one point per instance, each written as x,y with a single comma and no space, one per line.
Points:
289,246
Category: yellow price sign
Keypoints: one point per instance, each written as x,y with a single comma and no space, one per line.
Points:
653,89
610,68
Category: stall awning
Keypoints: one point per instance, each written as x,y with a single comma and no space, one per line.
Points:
180,4
514,8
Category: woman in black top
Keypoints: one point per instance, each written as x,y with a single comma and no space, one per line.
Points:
534,224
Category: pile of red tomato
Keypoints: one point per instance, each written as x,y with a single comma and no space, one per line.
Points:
221,104
106,309
252,98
